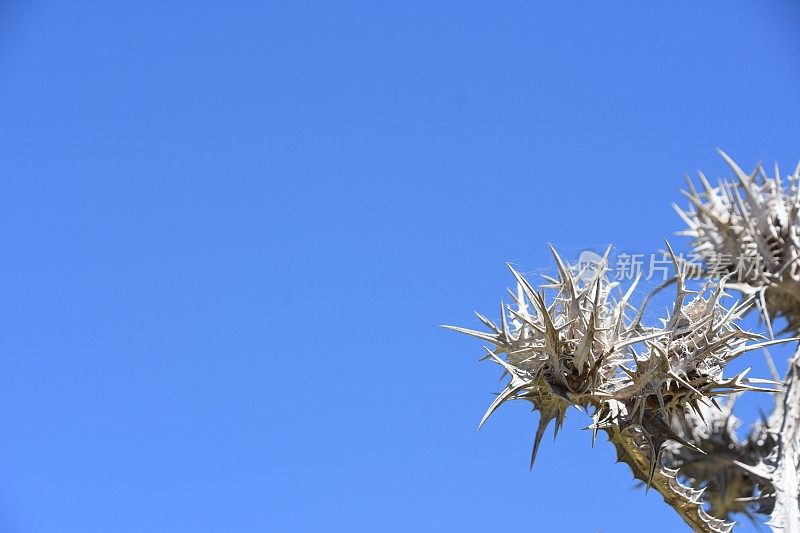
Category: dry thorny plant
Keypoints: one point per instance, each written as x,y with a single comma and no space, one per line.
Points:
660,392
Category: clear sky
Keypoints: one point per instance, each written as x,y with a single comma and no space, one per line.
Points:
230,229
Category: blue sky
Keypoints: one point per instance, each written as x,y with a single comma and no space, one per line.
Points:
230,230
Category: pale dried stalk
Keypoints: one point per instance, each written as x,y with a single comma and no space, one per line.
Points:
785,476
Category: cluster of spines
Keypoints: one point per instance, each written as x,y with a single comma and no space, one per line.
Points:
579,348
749,228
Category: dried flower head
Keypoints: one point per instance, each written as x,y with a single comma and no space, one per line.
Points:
727,487
749,228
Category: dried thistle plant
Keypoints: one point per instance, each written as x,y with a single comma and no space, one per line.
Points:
657,390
